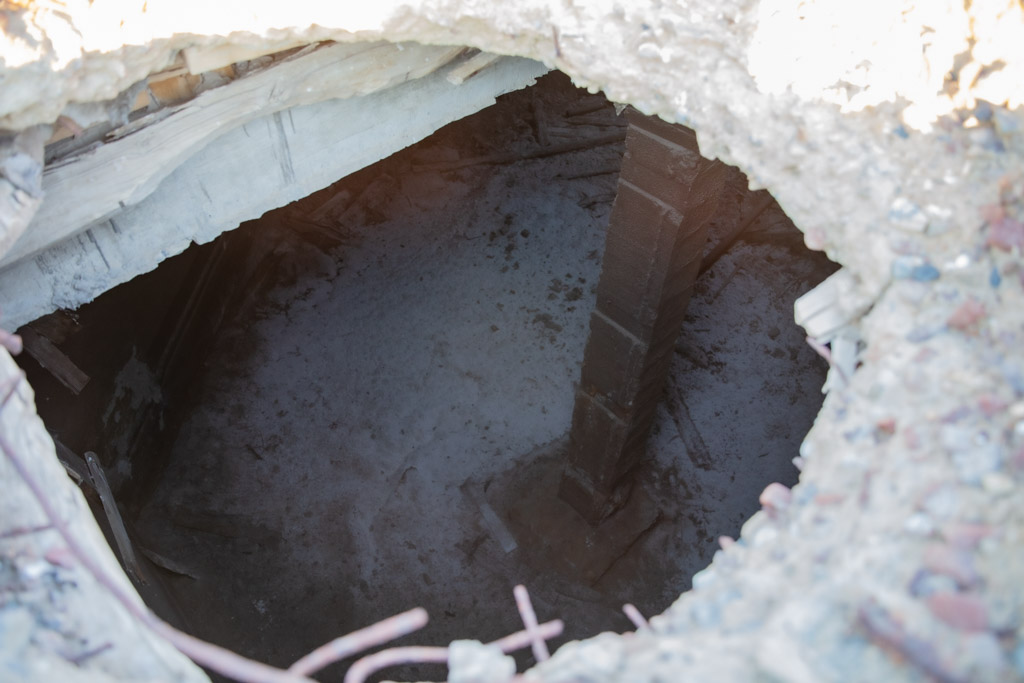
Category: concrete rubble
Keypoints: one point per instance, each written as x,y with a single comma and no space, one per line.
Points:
892,133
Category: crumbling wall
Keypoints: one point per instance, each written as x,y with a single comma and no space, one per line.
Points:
893,134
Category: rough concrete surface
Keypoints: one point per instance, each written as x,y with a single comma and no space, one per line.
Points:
891,132
309,146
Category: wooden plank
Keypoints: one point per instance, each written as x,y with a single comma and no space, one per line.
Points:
174,90
96,183
76,468
57,326
167,563
124,545
201,58
54,360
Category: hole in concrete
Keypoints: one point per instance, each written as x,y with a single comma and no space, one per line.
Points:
311,421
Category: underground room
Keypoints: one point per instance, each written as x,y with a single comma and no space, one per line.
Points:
367,400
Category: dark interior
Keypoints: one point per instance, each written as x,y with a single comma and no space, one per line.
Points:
305,421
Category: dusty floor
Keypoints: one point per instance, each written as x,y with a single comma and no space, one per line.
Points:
317,484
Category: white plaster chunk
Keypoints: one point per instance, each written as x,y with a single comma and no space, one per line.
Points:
470,661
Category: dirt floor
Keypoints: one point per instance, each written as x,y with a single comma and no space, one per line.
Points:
417,347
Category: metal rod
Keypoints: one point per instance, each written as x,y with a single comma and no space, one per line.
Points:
363,639
540,648
369,665
633,614
395,656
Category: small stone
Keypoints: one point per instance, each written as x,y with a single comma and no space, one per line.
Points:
470,661
967,315
1018,658
956,438
923,333
925,583
1006,234
943,502
903,266
649,51
924,273
765,536
991,405
972,466
60,556
961,611
34,570
705,614
966,534
993,213
1005,121
704,578
907,215
919,524
997,483
953,562
986,657
805,493
775,498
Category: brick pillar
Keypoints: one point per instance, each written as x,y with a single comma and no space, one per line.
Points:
666,194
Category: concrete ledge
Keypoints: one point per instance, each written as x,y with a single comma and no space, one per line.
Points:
297,151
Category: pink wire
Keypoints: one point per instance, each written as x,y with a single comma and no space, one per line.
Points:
540,648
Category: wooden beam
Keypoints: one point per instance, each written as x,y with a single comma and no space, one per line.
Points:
54,360
117,528
94,184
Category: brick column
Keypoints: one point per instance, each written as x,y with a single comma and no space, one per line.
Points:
666,194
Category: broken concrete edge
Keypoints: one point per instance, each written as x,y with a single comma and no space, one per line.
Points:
89,185
743,47
914,463
304,154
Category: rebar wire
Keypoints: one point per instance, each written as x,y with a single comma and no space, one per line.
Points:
371,664
525,607
520,639
633,614
826,353
363,639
